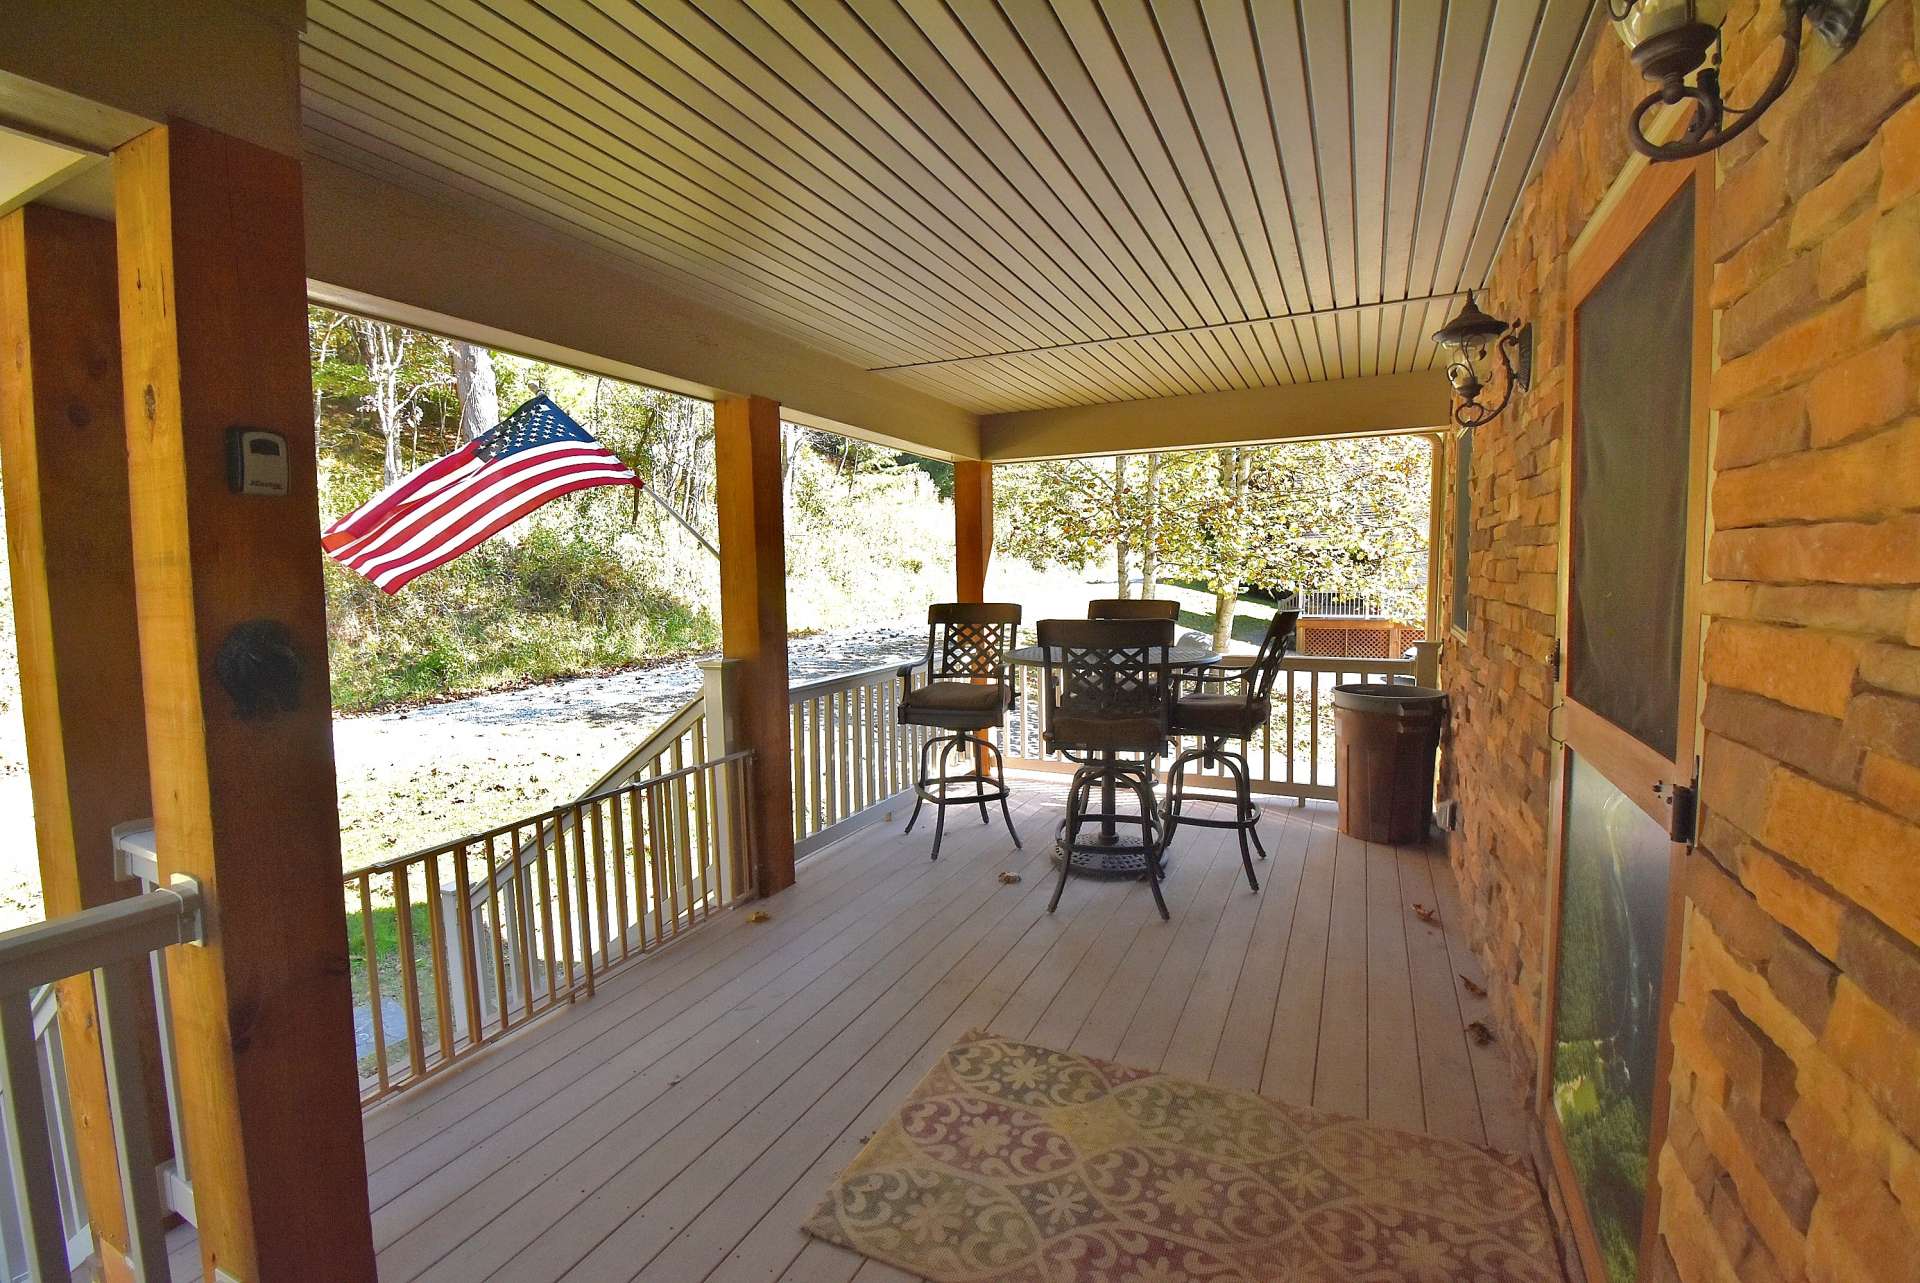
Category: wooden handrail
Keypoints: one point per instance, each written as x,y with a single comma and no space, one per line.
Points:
845,681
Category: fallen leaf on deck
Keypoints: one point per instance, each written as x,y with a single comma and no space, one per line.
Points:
759,915
1425,914
1477,990
1480,1034
1009,878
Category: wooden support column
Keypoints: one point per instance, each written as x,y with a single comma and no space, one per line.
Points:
213,335
70,555
972,527
753,619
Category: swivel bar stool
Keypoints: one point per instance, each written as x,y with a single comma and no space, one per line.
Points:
1219,718
969,690
1107,706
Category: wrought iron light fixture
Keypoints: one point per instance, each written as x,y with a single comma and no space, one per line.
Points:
1670,40
1474,340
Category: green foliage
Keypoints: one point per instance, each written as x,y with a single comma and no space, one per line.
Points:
586,583
1341,516
592,581
868,539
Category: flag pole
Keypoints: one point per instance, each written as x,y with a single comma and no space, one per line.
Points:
676,514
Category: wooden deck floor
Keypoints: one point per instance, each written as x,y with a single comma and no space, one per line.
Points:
680,1124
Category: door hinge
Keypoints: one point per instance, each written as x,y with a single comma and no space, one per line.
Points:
1683,809
1553,662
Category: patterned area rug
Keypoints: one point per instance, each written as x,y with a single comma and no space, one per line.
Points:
1012,1163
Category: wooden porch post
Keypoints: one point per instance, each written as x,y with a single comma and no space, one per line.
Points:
972,527
70,555
753,619
213,335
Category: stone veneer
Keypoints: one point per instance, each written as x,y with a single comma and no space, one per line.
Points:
1793,1146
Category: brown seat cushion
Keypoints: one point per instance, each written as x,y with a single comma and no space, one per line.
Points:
1216,715
957,697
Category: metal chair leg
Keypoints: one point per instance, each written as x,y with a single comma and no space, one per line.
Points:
1154,837
1176,782
1000,774
940,806
1070,830
1242,800
920,779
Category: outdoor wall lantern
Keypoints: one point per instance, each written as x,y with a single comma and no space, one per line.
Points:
1670,40
1473,339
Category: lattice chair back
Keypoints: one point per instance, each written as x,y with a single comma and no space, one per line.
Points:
1107,684
1273,648
1132,608
968,641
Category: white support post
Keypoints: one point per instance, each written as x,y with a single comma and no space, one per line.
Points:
720,694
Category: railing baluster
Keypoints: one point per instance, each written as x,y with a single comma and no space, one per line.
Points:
599,878
656,883
703,841
29,1147
552,950
116,989
1293,742
684,830
637,857
496,929
563,900
682,812
870,742
581,890
409,970
816,783
523,915
437,950
897,738
371,941
856,764
842,758
617,874
798,765
1313,729
469,956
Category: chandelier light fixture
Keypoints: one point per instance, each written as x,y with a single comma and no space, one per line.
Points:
1474,342
1671,40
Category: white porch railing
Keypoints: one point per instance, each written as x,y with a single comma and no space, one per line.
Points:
851,755
46,1233
462,942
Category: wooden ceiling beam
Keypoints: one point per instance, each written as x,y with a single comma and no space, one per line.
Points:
1302,411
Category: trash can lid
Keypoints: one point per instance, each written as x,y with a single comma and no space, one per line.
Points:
1385,697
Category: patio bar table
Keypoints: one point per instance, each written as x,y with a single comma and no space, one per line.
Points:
1186,654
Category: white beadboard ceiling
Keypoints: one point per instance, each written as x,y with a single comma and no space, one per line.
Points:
1010,204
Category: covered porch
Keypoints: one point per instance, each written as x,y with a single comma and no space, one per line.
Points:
1664,942
683,1123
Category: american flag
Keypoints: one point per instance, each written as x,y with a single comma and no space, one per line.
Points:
429,517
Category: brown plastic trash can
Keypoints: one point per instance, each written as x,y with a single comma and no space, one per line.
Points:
1385,737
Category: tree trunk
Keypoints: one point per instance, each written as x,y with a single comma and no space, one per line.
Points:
479,393
385,349
1150,531
1232,559
1122,546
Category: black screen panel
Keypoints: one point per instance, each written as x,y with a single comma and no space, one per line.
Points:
1632,437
